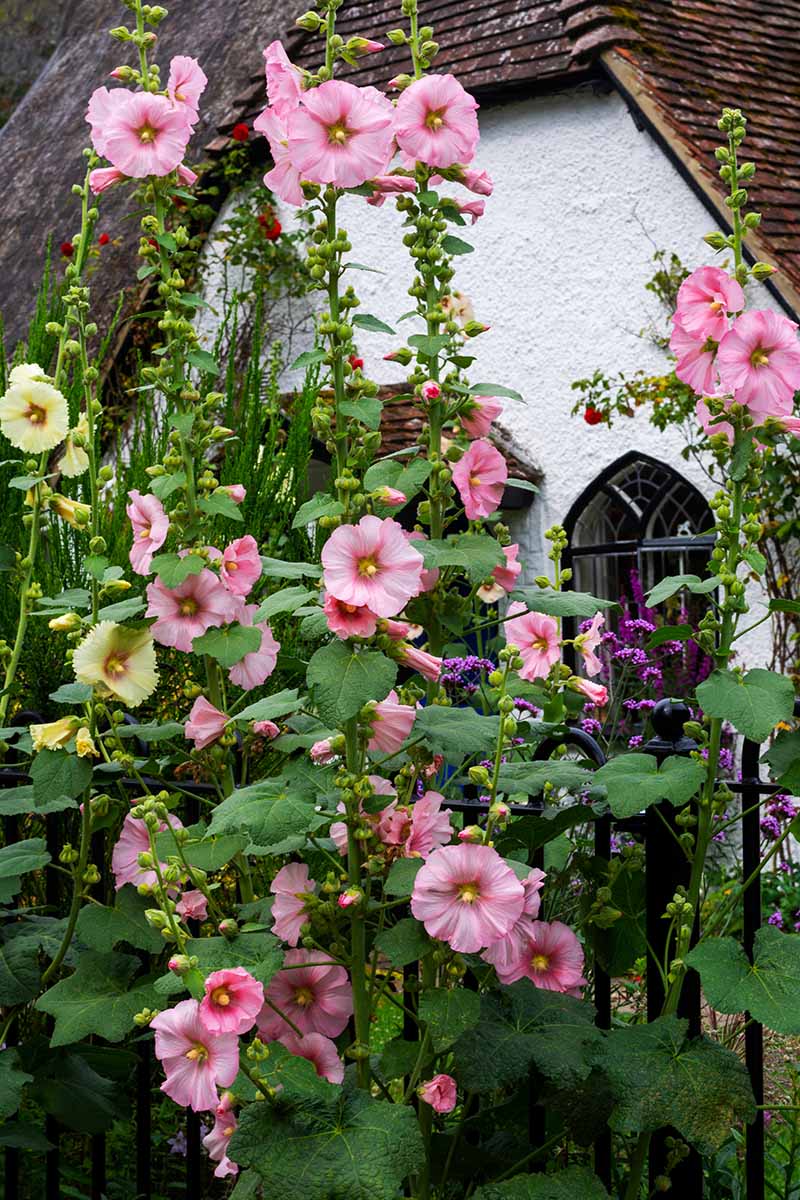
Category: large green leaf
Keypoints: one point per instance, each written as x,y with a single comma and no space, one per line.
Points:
754,704
475,553
19,955
54,773
449,1012
259,953
456,731
278,705
678,583
173,570
276,568
525,1026
530,777
296,1079
18,800
574,1183
662,1078
402,874
276,819
101,928
768,988
561,604
635,781
12,1081
78,1096
362,1149
343,680
284,601
403,943
783,757
20,857
230,645
100,997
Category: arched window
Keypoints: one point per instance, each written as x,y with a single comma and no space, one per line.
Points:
638,515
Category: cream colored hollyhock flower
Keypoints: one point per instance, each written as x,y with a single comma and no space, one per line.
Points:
74,461
72,511
53,735
66,623
118,661
33,414
84,745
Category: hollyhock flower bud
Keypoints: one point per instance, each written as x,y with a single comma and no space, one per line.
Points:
428,665
67,623
439,1092
596,693
104,239
402,356
321,752
399,82
430,390
360,46
192,906
350,898
228,928
396,630
267,729
472,834
474,209
475,328
390,496
236,492
180,964
355,362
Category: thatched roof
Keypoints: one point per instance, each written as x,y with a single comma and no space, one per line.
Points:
40,147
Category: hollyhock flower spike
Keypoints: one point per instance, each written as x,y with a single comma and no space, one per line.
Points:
150,526
117,661
696,360
186,84
349,620
480,476
194,1060
232,1001
440,1092
241,565
185,612
705,299
536,637
257,666
205,725
317,998
372,564
284,178
435,122
379,821
391,724
478,415
553,958
466,896
291,887
140,133
33,413
319,1050
759,361
216,1141
339,134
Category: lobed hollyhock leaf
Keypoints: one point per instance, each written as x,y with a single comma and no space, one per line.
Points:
101,928
783,757
321,505
669,633
19,968
151,732
530,777
456,731
259,953
12,1081
403,943
55,773
14,801
287,600
561,604
343,680
635,781
359,1149
447,1013
754,703
398,1058
276,568
220,504
276,817
122,610
677,583
366,409
661,1077
22,1136
100,997
67,1086
402,874
373,324
20,857
768,988
230,645
173,570
574,1183
475,553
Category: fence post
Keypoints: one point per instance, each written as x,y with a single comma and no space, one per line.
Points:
666,867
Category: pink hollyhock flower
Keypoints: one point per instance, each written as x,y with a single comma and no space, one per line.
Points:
267,729
389,185
480,476
372,564
471,208
439,1092
430,390
186,175
321,753
258,665
150,528
588,642
140,133
428,665
507,576
185,612
291,887
133,841
696,359
192,906
316,998
284,80
186,84
596,693
339,134
241,565
479,182
379,820
705,299
435,122
102,178
466,896
216,1142
536,637
319,1050
430,827
349,620
205,723
236,492
479,413
553,958
391,497
429,577
505,953
705,419
759,361
397,630
284,178
232,1001
194,1060
391,724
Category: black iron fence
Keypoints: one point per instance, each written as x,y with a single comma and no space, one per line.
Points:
665,868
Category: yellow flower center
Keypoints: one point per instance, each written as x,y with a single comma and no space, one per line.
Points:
198,1053
540,962
188,607
759,357
115,665
304,996
435,120
36,414
474,480
338,135
229,1131
350,608
715,306
232,566
145,533
221,996
368,567
147,134
469,892
539,644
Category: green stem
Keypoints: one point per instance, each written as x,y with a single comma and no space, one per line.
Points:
638,1161
425,1111
24,599
77,892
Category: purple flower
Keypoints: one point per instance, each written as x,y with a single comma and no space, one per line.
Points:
776,919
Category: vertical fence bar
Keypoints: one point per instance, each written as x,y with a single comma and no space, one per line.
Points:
666,867
602,1002
751,923
98,1166
52,1184
194,1161
143,1150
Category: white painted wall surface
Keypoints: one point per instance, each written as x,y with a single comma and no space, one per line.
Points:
582,199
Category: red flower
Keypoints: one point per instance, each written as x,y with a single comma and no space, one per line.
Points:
355,361
67,249
592,415
240,132
103,240
271,226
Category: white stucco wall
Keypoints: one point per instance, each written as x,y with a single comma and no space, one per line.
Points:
582,199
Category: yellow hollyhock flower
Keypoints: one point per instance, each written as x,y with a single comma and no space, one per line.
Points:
72,511
55,734
84,746
33,413
74,461
118,661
